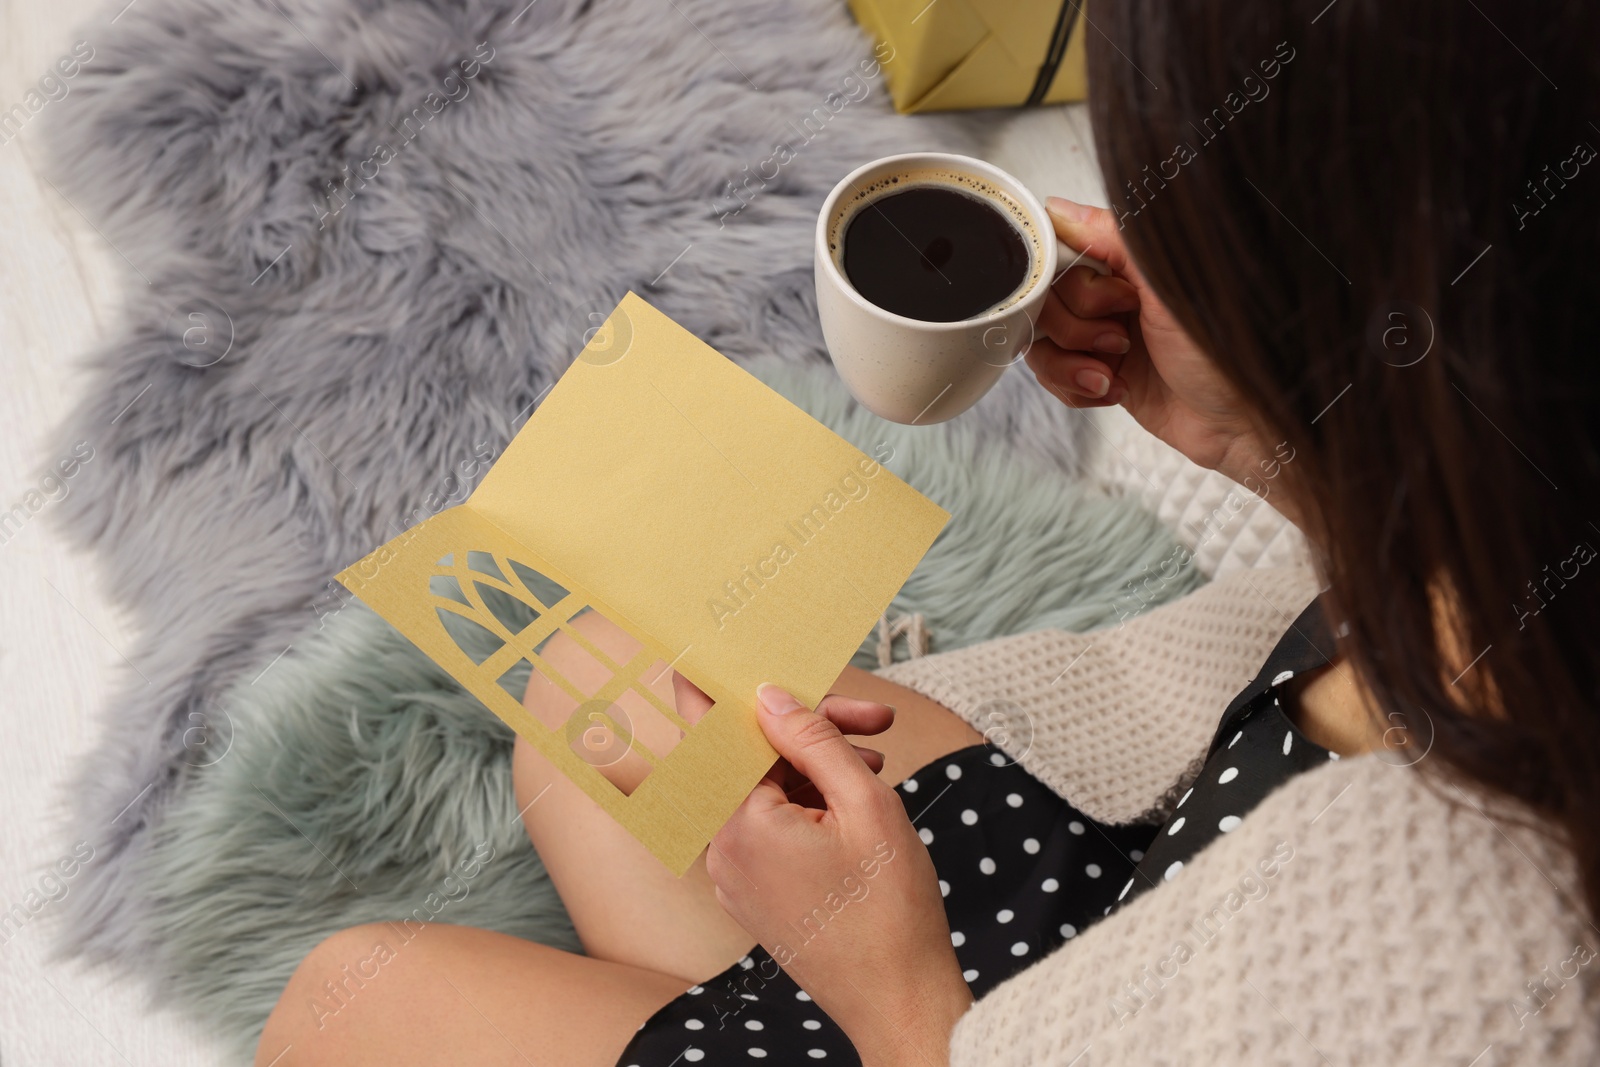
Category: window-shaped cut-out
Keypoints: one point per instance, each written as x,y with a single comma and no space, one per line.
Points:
601,733
571,658
515,679
547,592
613,642
633,719
466,627
549,701
446,586
510,612
475,639
581,675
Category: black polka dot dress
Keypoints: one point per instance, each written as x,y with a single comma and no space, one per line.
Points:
1021,871
1255,750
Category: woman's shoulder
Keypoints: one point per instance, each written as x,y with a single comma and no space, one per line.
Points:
1376,911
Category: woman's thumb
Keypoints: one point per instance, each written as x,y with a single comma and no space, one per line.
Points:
812,744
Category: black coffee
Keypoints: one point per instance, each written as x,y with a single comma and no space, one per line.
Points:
934,253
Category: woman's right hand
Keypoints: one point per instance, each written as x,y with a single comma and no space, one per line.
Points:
1108,339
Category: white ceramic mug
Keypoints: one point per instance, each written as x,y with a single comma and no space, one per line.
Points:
908,370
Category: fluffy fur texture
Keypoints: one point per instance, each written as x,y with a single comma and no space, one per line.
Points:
356,783
377,341
362,745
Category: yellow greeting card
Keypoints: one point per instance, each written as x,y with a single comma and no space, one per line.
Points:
663,519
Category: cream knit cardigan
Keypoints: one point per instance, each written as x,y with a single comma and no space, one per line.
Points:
1367,912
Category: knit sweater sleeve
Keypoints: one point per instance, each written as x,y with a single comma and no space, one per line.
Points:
1363,913
1113,720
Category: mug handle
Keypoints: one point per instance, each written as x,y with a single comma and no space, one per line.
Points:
1067,256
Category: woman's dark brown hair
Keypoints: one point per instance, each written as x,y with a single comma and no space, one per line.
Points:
1382,220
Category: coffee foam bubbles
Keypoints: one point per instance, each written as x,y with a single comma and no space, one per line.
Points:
958,181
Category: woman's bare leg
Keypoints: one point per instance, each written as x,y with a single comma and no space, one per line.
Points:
455,995
626,906
923,730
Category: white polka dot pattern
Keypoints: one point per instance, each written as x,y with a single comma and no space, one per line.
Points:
1019,870
1262,752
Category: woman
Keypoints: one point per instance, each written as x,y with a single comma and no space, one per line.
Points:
1352,248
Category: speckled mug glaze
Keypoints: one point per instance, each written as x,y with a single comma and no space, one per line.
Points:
911,371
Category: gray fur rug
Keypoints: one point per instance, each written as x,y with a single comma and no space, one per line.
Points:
362,237
356,781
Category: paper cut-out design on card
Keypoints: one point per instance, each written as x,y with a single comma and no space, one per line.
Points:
665,534
617,703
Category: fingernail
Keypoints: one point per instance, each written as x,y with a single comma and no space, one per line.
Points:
1067,209
1092,382
775,701
1111,342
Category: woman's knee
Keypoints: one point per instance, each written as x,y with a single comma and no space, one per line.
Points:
327,982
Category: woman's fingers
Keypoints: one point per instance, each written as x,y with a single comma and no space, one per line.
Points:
1089,294
1078,379
1092,231
786,784
793,782
1072,331
1089,320
804,792
853,715
814,747
871,757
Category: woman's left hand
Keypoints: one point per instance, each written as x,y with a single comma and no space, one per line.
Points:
843,896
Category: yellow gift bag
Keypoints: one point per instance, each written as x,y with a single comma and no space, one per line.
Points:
946,55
